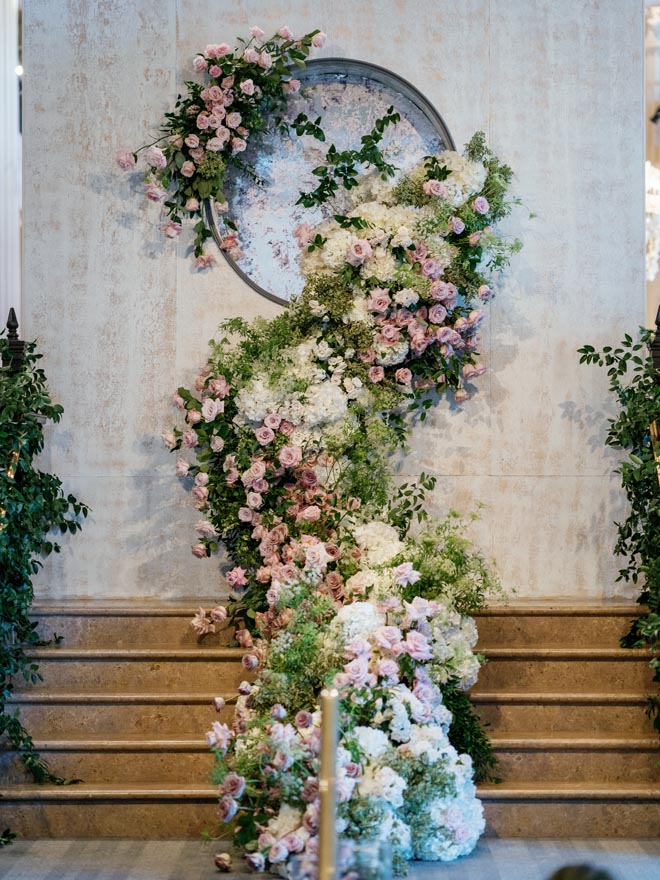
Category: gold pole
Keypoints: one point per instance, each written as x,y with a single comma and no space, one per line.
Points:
328,823
655,444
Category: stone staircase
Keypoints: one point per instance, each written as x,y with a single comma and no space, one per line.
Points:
566,708
127,697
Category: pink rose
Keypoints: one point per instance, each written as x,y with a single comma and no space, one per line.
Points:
251,56
125,160
202,479
188,169
192,205
233,120
309,514
376,374
199,63
388,669
192,141
238,145
485,293
190,439
254,500
212,408
219,703
247,87
444,291
245,514
431,268
255,862
244,638
200,493
303,719
285,32
222,861
217,444
199,550
417,646
233,785
290,86
182,468
480,205
218,51
387,636
169,439
358,252
219,613
272,421
358,671
471,371
250,662
227,808
473,238
456,225
206,530
244,688
215,71
154,192
437,313
156,158
227,82
257,33
295,843
318,40
405,574
290,456
178,401
265,61
278,712
219,386
204,261
278,852
219,736
264,435
435,188
236,577
403,376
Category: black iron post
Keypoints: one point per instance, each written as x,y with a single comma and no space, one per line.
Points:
14,358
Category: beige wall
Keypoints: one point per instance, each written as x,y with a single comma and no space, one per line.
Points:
123,319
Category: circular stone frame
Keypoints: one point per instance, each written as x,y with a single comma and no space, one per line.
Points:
314,71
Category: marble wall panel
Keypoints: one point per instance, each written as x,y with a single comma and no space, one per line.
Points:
123,318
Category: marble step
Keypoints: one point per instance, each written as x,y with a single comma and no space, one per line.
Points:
139,759
126,624
574,669
74,714
187,670
568,625
571,810
526,758
135,760
564,713
536,810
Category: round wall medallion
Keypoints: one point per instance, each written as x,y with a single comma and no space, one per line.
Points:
349,96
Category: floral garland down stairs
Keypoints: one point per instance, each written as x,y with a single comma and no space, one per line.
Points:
338,576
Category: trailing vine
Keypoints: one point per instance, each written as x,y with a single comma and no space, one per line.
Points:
32,505
635,383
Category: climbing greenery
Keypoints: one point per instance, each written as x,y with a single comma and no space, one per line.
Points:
33,509
635,383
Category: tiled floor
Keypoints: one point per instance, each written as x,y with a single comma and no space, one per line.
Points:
190,860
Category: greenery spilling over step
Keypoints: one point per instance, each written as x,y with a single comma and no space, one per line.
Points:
635,382
32,505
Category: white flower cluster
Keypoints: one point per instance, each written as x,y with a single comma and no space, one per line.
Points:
453,638
379,542
467,177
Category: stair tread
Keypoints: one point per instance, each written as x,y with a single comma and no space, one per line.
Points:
109,791
50,696
570,791
130,742
561,697
562,741
566,653
151,653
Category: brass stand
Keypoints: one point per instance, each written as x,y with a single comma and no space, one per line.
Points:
327,778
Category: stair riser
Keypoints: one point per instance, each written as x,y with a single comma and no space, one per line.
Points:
71,721
508,719
555,676
582,765
572,819
129,632
139,820
116,768
157,676
587,631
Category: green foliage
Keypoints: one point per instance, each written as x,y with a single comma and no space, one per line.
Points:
468,735
33,509
343,167
635,384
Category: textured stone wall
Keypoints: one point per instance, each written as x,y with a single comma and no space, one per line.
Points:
123,319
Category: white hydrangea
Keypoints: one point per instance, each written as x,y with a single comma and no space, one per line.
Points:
383,782
400,726
391,355
379,542
357,619
286,821
373,743
406,297
325,403
381,265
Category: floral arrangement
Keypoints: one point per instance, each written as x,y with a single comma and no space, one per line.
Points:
211,125
285,447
